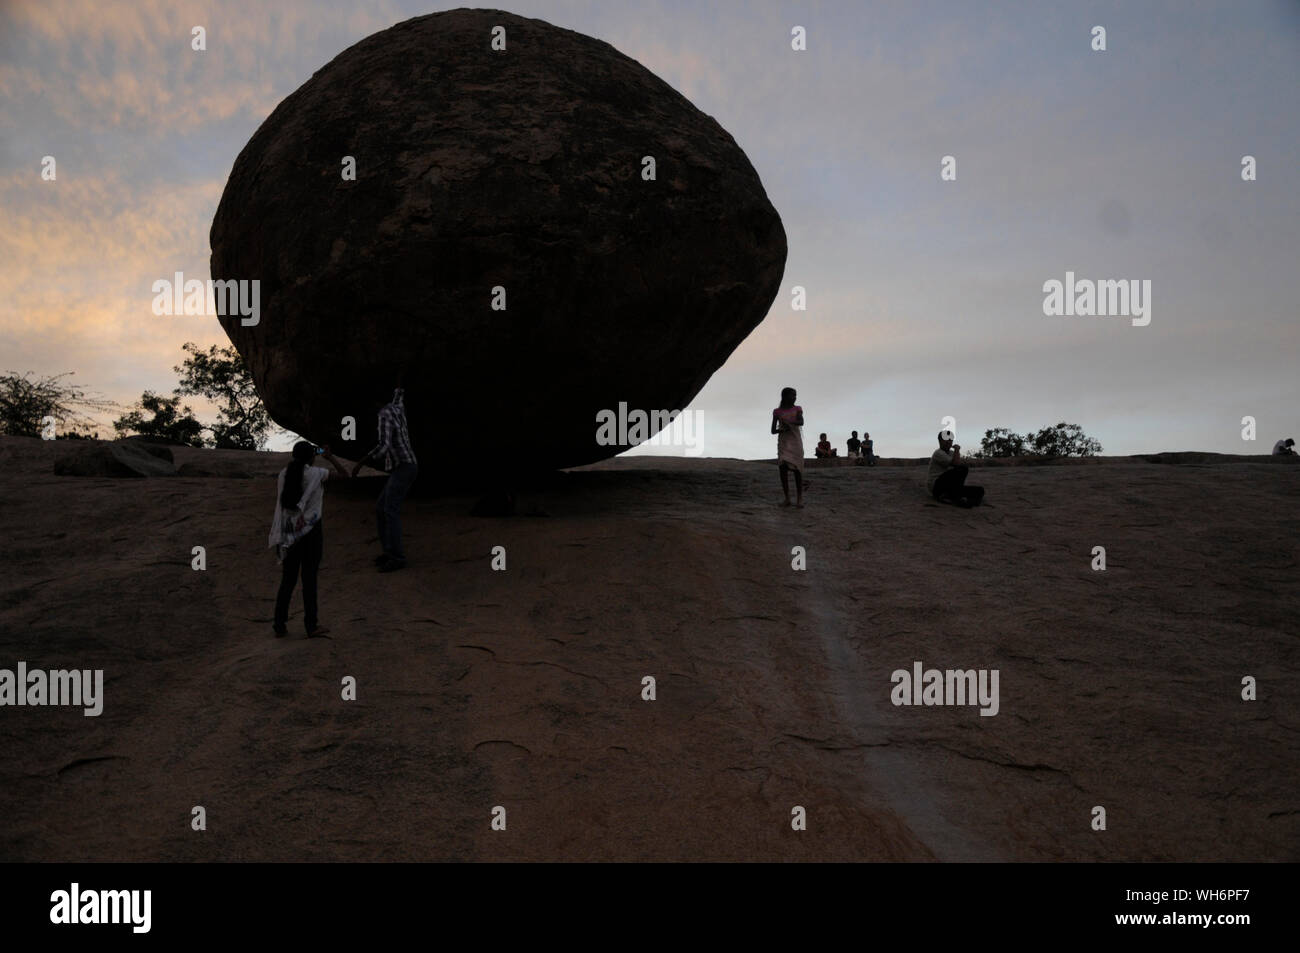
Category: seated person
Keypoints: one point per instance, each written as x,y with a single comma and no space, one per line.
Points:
854,445
1284,448
868,449
824,448
946,477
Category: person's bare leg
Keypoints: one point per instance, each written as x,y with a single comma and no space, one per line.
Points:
785,482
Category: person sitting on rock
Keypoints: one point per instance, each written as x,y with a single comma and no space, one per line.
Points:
868,449
854,446
824,448
1284,448
946,477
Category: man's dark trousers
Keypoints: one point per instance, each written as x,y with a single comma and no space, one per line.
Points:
951,484
388,511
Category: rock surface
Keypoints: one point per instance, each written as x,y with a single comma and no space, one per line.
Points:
1120,688
477,169
121,458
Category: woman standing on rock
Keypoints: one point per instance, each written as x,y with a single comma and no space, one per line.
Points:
296,532
786,421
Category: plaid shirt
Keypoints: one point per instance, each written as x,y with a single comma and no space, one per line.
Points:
394,441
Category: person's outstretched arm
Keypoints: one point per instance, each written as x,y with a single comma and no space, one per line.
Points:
335,462
385,441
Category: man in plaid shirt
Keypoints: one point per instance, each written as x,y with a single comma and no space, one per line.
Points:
395,456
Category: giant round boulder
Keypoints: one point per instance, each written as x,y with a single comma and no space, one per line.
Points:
518,223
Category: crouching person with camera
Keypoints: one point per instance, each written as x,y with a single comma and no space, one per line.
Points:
946,477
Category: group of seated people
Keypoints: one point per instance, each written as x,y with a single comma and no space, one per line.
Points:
860,451
946,476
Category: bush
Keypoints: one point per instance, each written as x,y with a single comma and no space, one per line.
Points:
1063,440
1001,442
218,374
170,421
25,403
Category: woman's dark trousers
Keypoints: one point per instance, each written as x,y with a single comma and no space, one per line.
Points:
305,554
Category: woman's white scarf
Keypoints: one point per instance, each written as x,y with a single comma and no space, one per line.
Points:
289,526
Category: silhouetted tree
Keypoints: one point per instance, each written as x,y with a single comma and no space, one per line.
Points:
1063,440
220,375
25,402
1000,442
170,421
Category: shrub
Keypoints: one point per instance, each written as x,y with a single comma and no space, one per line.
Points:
25,402
1062,440
169,421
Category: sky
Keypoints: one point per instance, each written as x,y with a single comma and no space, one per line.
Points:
924,296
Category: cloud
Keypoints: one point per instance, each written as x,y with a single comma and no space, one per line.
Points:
130,66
